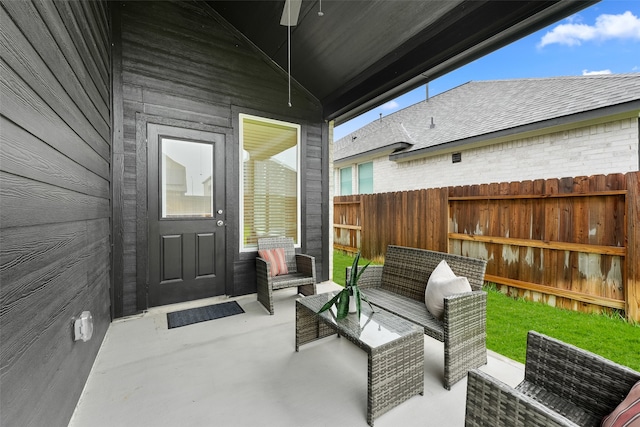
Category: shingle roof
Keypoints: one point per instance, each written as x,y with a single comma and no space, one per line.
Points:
372,137
484,107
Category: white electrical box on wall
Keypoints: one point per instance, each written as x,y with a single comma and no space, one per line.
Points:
83,327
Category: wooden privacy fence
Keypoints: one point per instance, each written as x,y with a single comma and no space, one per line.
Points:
571,242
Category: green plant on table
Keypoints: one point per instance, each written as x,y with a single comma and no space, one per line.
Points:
351,290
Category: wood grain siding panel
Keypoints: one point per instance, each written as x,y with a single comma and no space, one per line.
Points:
314,200
88,48
131,78
55,219
183,66
22,105
29,157
245,276
182,108
23,199
51,47
37,309
23,59
188,47
96,32
118,180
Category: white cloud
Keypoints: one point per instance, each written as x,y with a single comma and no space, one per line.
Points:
391,105
595,73
623,26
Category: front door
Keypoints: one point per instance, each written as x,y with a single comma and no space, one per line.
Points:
186,184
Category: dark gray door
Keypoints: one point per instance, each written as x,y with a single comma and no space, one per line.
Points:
186,173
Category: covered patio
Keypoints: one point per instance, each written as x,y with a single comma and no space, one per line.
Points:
93,92
205,373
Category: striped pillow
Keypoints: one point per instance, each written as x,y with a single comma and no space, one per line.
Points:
275,258
627,413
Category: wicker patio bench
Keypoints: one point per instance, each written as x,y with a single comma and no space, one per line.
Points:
563,386
399,286
301,271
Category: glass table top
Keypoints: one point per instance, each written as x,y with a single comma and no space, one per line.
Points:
374,328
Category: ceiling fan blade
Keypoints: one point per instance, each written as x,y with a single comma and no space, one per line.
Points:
290,13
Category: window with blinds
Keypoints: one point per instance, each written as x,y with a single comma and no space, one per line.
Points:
365,178
269,186
345,181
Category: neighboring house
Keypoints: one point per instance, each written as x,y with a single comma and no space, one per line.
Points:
497,131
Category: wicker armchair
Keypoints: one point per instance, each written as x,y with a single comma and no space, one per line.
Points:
399,286
563,386
301,267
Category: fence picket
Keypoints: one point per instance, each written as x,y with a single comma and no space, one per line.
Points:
567,234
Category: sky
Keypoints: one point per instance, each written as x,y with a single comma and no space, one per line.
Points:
601,39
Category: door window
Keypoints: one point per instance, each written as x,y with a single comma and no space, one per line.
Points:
186,179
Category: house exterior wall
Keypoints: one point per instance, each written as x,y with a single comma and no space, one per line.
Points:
604,148
55,131
181,65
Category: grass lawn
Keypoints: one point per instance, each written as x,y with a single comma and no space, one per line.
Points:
509,320
340,263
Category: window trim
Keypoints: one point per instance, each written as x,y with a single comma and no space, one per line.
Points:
359,191
350,167
298,127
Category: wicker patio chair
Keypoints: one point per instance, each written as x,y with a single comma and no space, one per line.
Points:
399,286
563,386
301,271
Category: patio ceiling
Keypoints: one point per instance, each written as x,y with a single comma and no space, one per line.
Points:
361,54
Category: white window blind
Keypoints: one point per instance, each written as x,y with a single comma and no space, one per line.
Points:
365,178
345,181
270,202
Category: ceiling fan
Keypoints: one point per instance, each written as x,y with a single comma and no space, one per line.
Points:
289,19
290,13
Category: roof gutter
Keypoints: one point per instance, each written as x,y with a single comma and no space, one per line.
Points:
623,110
376,152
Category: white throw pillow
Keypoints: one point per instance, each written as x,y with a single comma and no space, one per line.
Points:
442,283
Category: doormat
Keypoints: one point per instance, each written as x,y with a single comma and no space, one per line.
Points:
202,314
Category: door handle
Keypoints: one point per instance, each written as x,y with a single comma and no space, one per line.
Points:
220,223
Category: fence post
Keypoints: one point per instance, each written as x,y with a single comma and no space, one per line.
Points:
632,286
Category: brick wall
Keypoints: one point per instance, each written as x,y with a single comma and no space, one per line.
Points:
590,150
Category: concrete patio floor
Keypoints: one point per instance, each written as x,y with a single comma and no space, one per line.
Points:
243,370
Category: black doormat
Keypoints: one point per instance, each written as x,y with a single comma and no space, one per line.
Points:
202,314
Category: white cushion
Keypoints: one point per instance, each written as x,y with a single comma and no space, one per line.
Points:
442,283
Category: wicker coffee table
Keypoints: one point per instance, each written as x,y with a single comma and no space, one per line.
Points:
395,349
